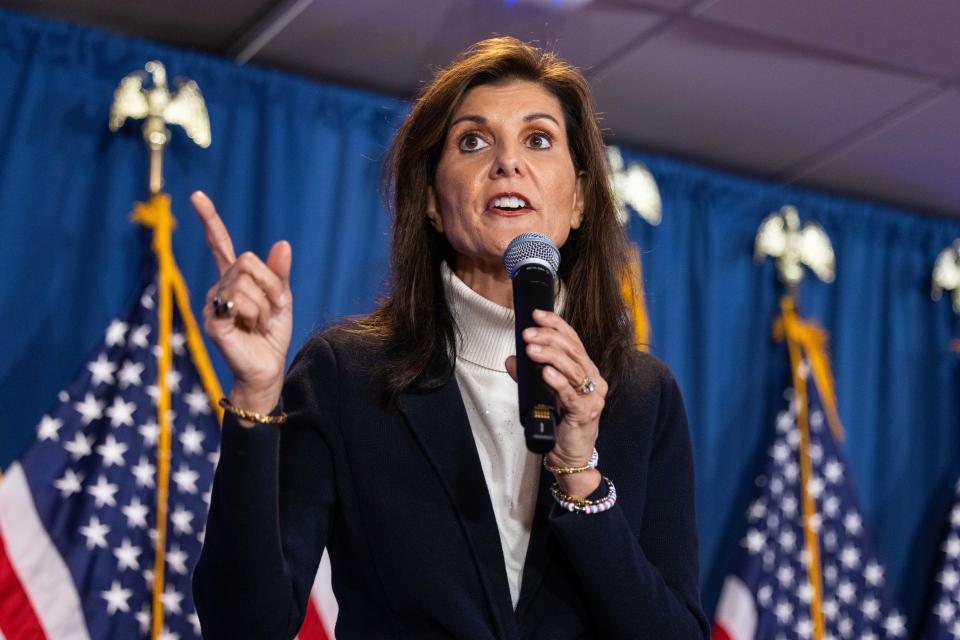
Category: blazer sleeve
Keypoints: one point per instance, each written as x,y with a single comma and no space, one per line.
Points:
271,510
644,582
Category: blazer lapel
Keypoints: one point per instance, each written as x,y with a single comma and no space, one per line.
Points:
439,422
535,565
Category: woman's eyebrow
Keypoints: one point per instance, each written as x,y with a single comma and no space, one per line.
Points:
469,117
537,116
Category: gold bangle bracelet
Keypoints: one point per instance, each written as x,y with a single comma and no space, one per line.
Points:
243,414
566,471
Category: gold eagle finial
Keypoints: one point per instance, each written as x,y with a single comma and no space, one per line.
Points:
946,274
635,186
185,107
782,237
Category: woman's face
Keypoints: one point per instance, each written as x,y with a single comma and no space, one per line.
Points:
505,169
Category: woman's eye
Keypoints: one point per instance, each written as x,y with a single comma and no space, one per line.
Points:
472,142
539,141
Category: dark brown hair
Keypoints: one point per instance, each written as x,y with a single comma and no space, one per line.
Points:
413,319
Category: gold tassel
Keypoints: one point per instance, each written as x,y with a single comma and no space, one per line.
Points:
171,293
632,292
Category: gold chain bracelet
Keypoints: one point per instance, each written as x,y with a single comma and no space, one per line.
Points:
566,471
243,414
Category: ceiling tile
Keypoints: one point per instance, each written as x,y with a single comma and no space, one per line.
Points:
184,23
920,36
704,93
583,38
914,163
661,5
373,44
393,47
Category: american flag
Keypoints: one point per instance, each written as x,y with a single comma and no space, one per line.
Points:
78,509
770,593
945,622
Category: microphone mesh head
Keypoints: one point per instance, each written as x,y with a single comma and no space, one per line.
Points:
531,247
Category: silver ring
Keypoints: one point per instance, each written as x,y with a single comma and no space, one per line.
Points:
587,386
221,307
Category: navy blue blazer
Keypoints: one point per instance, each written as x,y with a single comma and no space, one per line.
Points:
398,498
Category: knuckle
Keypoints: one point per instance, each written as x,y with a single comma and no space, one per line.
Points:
248,259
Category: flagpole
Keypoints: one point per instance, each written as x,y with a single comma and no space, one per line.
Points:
132,100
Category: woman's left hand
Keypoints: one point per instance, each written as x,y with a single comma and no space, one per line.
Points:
566,368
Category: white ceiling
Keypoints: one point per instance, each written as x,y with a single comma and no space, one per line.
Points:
858,97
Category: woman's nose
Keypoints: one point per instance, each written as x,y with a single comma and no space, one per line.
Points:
508,162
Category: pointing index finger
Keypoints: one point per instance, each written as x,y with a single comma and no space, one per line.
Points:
217,236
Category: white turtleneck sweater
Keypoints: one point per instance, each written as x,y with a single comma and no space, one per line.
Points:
486,338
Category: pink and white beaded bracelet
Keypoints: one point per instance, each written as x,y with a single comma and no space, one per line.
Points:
583,505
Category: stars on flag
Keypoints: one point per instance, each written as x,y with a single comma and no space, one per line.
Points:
102,370
944,621
90,409
186,479
192,440
121,412
198,402
103,492
49,428
70,483
117,597
128,556
775,557
130,374
144,472
80,447
136,513
112,451
116,333
95,532
102,438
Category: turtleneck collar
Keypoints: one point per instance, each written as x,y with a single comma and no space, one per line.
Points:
485,330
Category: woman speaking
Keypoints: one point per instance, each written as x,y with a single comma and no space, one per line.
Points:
394,441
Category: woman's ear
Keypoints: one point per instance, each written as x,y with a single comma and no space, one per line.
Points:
578,201
436,221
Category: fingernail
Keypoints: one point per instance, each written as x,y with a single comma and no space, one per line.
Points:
283,300
550,372
530,333
535,348
539,313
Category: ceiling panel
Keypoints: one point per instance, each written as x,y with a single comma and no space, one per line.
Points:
373,44
915,163
701,92
393,47
582,38
185,23
661,5
921,36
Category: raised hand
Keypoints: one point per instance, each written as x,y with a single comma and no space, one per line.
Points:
254,324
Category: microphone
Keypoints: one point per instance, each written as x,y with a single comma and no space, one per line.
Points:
532,260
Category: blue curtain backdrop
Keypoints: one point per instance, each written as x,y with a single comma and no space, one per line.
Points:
299,160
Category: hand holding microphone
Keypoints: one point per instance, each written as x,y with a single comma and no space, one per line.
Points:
555,376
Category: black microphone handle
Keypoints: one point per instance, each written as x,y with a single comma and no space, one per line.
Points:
533,287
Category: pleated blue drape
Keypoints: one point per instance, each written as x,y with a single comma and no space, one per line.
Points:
299,160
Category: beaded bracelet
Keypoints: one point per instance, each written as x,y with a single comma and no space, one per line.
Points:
243,414
565,471
583,505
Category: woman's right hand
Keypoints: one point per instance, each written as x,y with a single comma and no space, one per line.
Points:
254,335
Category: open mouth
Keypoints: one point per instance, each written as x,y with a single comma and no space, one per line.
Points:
509,204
